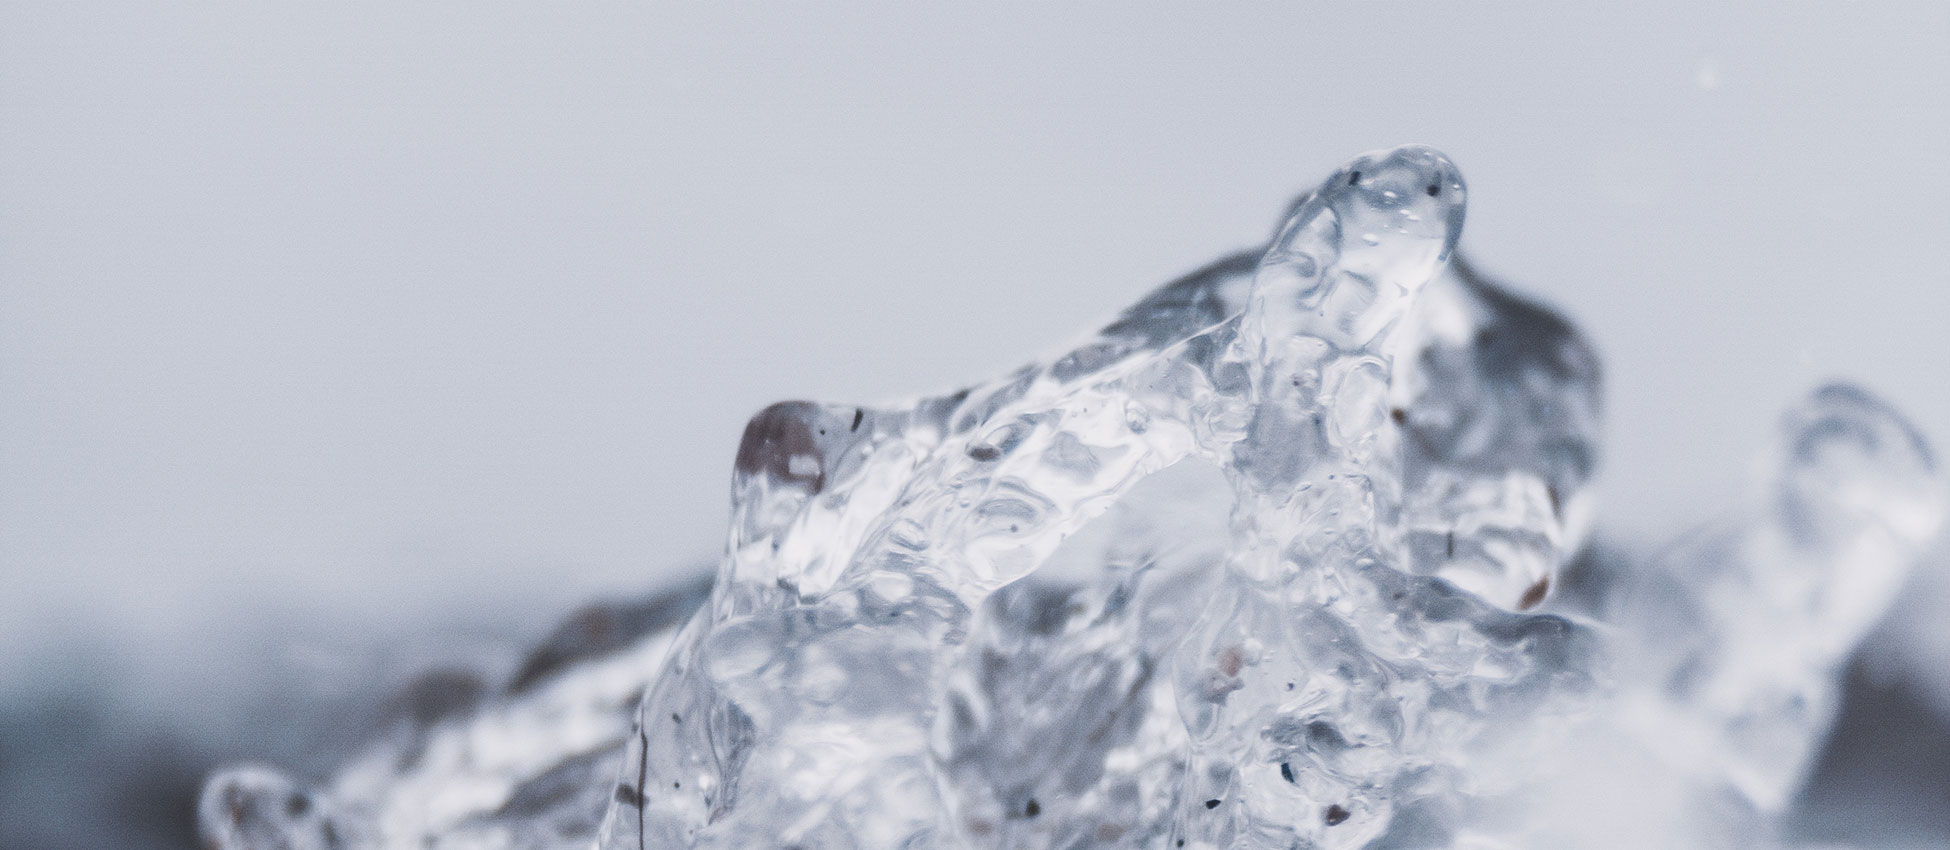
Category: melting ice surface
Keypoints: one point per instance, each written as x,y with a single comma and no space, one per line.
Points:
1269,562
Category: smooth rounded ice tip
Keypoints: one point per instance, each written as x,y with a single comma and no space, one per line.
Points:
1851,462
1412,190
1356,251
1412,193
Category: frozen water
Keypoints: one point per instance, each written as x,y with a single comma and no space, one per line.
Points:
864,679
1271,561
1732,641
1499,422
532,768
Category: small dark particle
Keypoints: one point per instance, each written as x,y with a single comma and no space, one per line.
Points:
984,452
627,795
1289,686
1399,415
675,718
1336,815
1535,595
678,784
297,805
1032,809
858,414
1181,842
1230,659
1286,772
1211,804
1556,506
1452,543
1434,190
1354,179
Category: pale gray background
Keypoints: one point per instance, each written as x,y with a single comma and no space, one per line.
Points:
339,316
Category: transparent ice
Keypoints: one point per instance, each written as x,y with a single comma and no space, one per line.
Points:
1731,641
1271,561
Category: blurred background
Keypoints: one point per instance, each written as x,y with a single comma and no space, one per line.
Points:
339,341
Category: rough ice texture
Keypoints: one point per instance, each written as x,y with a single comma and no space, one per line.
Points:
1268,562
863,678
530,767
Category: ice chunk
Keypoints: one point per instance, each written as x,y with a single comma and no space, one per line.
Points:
1737,634
1270,561
531,767
1730,642
886,663
1499,409
1333,699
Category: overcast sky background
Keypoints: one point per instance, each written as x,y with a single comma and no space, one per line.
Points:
358,311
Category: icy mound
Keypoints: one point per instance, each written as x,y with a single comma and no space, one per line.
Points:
1269,562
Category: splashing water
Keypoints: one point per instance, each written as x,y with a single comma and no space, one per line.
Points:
1269,562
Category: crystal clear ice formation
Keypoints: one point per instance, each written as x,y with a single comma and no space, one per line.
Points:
885,662
1271,561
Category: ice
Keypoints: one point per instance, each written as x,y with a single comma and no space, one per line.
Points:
531,767
1499,440
259,807
1733,639
1276,559
885,665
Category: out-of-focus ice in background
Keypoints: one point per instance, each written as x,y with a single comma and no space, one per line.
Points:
338,342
